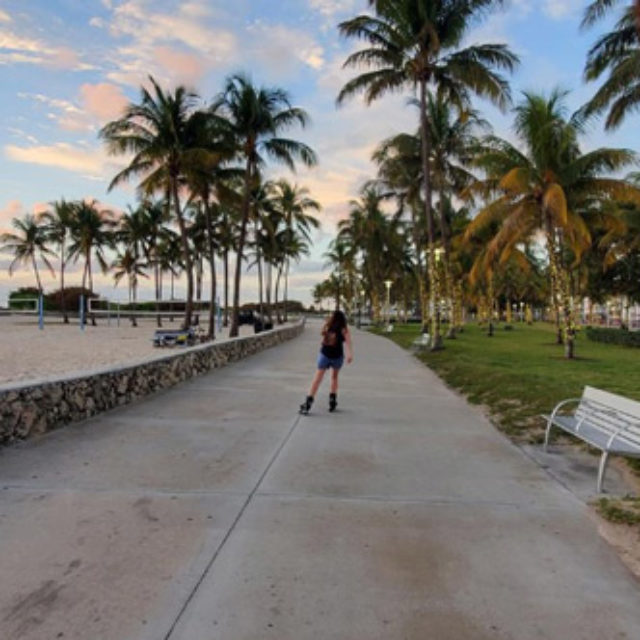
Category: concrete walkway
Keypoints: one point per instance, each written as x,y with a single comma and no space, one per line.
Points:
215,512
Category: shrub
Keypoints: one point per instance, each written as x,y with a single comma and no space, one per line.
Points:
614,336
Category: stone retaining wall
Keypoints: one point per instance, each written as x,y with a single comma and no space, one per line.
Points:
40,406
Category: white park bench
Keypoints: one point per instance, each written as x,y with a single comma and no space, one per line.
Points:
422,341
604,420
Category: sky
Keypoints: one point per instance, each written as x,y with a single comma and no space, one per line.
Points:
69,66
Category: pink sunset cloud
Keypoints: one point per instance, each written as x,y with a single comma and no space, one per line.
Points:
184,68
104,101
13,209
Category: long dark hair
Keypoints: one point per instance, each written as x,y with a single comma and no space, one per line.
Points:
337,322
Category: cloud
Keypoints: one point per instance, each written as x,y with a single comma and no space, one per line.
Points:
13,209
186,66
63,156
4,16
64,113
279,47
18,49
561,9
330,8
178,45
103,101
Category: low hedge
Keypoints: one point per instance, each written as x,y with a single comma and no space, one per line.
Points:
621,337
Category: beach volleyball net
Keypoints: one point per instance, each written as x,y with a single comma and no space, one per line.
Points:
145,308
24,306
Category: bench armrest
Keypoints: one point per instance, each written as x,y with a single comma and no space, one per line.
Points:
551,418
560,405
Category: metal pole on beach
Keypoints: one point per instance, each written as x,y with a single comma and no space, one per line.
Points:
81,312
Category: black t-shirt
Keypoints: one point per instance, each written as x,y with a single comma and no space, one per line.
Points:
332,340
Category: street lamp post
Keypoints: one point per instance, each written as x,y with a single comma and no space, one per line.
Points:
387,284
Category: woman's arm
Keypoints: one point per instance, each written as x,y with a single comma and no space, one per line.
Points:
347,341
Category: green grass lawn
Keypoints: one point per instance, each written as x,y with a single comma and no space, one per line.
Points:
522,373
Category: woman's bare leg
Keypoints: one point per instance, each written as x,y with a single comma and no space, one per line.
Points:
317,379
334,380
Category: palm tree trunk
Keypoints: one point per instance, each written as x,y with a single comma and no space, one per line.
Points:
279,319
268,289
90,274
226,288
260,287
63,302
555,284
199,267
491,303
212,265
436,338
233,333
134,286
157,283
286,291
35,270
188,264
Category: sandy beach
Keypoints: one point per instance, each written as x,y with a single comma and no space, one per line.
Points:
27,353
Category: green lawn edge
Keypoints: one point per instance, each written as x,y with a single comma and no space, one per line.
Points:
521,373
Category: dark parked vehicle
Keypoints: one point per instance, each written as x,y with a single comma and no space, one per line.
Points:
260,323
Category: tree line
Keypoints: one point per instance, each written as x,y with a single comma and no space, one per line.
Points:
202,195
459,217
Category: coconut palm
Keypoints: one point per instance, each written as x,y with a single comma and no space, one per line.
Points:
341,257
257,117
133,234
294,246
546,189
28,245
416,44
170,257
58,222
376,238
293,202
399,163
617,54
208,181
129,264
155,215
164,134
92,233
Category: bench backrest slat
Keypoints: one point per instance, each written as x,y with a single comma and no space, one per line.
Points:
610,412
613,400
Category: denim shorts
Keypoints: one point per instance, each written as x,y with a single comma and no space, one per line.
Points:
329,363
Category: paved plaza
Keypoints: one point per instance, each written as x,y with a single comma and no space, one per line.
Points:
215,512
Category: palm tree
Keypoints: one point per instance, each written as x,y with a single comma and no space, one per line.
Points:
400,170
618,54
129,264
133,233
170,256
293,202
91,235
341,256
294,247
154,215
58,224
547,188
257,117
415,43
163,133
28,245
376,238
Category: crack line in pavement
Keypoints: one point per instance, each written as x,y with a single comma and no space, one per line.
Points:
395,500
231,529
